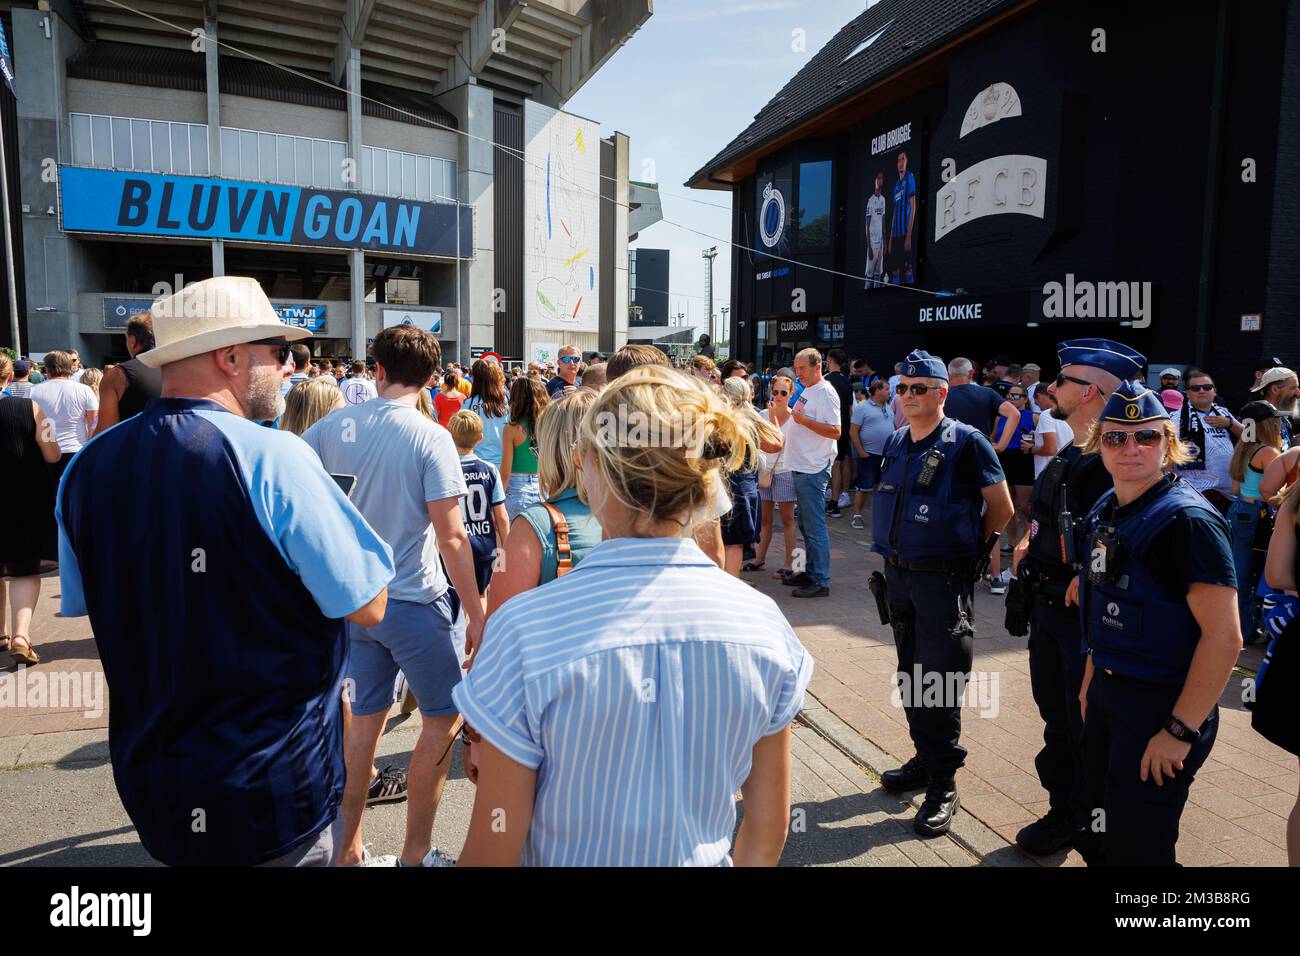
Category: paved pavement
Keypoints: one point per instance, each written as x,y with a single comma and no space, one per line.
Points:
1238,803
61,785
53,758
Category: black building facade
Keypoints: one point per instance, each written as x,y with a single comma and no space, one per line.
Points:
648,287
1046,170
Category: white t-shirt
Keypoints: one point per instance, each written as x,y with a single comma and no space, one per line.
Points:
65,403
357,390
1049,424
777,460
807,452
876,218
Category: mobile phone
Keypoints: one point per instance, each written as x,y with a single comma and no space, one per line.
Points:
346,483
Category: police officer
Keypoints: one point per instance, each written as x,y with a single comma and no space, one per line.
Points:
937,475
1159,609
1045,561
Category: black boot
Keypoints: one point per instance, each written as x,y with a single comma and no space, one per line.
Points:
910,776
936,813
1053,832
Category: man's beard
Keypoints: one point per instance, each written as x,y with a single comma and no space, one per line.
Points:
1291,408
263,401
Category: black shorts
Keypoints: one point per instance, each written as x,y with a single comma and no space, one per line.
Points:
896,260
843,447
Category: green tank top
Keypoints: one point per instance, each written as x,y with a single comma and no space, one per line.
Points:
584,530
524,461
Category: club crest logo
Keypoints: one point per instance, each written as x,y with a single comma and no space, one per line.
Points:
771,218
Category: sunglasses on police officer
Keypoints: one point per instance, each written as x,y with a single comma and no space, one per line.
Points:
1145,437
916,389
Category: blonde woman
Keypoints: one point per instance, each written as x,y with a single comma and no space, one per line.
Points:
703,368
1159,614
91,378
779,495
533,547
1250,460
742,525
308,402
647,719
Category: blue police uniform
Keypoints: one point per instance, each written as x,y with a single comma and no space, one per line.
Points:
1067,489
926,517
1142,636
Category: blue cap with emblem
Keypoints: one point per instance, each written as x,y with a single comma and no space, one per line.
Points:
1109,356
1132,405
920,363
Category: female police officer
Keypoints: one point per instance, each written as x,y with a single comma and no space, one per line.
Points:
1158,605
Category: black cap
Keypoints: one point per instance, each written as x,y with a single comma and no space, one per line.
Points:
1268,362
1259,411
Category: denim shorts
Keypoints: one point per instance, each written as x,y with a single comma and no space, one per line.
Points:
418,640
868,473
522,492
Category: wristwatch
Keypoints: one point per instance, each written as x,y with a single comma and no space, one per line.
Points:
1181,731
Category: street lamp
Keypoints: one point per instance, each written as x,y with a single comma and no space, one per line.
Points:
708,256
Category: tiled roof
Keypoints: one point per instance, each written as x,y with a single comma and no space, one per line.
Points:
903,31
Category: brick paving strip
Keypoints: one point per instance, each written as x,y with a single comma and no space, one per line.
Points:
1239,802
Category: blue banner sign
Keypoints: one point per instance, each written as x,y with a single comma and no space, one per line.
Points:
120,308
148,204
309,317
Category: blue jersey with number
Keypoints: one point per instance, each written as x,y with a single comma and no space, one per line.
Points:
904,191
482,490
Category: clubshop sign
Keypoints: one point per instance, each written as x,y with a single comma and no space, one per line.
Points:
146,204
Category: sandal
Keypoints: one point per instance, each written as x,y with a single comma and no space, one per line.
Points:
754,566
782,574
28,656
4,642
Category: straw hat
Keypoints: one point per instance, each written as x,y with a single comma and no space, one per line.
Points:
213,314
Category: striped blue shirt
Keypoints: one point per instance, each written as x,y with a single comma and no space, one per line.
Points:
636,686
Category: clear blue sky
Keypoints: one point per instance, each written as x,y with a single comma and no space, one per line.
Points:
682,88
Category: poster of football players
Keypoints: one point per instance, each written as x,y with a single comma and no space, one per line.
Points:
890,213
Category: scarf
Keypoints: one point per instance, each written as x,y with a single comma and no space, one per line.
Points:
1191,432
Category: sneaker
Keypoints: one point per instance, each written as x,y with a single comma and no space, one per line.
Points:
434,857
802,579
388,859
999,584
833,511
857,522
811,591
844,499
388,786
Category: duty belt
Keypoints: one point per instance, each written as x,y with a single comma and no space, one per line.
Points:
941,567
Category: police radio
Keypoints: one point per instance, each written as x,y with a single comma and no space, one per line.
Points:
930,466
1103,566
1065,523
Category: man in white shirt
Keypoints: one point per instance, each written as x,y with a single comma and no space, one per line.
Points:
356,388
809,453
72,408
1208,430
875,216
1051,435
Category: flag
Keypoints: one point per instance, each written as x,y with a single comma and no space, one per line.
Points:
6,62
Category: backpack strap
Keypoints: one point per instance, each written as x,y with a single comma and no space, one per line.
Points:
563,553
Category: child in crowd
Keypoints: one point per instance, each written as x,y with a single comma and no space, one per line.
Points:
483,509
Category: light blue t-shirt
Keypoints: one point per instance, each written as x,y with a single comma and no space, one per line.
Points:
874,423
489,449
402,461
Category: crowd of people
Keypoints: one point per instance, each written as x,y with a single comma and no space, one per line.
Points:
473,543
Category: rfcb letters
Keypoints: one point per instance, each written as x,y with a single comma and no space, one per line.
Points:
992,187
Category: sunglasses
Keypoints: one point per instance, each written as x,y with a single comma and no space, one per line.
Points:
570,359
916,389
1015,394
1062,378
780,394
283,350
1200,388
1145,437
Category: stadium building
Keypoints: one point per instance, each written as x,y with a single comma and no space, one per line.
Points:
993,176
370,162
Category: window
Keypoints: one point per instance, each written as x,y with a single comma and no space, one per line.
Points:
402,291
812,219
119,142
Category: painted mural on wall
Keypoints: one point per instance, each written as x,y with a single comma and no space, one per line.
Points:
561,220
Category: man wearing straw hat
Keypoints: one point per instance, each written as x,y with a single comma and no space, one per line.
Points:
219,609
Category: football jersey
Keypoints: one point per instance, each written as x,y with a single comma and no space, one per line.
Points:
904,190
876,219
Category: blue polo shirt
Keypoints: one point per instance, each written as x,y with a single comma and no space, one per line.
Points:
216,559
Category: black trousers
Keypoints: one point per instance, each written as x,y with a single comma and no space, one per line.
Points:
1138,821
932,619
1056,661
